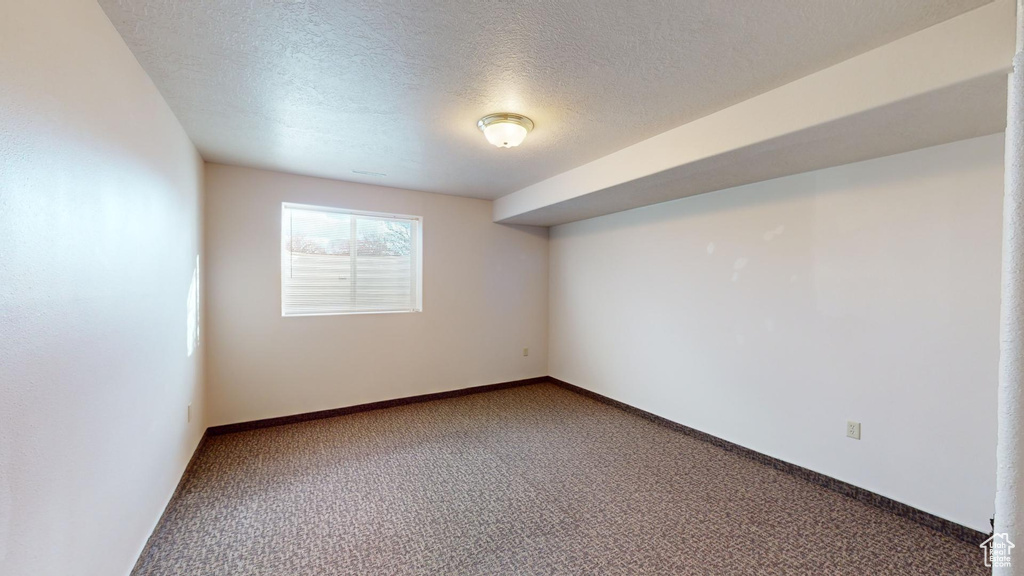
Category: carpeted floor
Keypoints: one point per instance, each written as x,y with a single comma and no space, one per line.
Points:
529,480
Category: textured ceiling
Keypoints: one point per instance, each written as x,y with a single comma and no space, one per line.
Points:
326,88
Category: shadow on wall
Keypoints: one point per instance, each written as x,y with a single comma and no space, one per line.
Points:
750,197
535,231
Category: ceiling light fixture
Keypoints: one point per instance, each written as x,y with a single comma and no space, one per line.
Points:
505,130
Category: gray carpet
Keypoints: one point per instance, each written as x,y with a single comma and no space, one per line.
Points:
529,480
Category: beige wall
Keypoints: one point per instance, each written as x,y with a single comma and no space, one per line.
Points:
100,191
771,314
484,300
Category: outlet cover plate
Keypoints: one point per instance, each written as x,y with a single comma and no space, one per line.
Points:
853,429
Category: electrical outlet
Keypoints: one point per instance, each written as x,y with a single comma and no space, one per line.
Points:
526,351
190,412
853,429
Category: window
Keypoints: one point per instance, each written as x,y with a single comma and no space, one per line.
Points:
344,262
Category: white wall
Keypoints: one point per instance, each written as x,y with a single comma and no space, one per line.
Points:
100,191
484,300
770,314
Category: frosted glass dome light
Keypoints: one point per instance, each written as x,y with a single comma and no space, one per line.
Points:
505,130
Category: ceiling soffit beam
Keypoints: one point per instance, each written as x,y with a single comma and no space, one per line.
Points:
963,56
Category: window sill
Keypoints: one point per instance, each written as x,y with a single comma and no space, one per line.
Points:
357,313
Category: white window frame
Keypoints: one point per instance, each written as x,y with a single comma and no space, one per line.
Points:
417,249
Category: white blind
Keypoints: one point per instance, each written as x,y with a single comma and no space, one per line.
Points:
338,262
